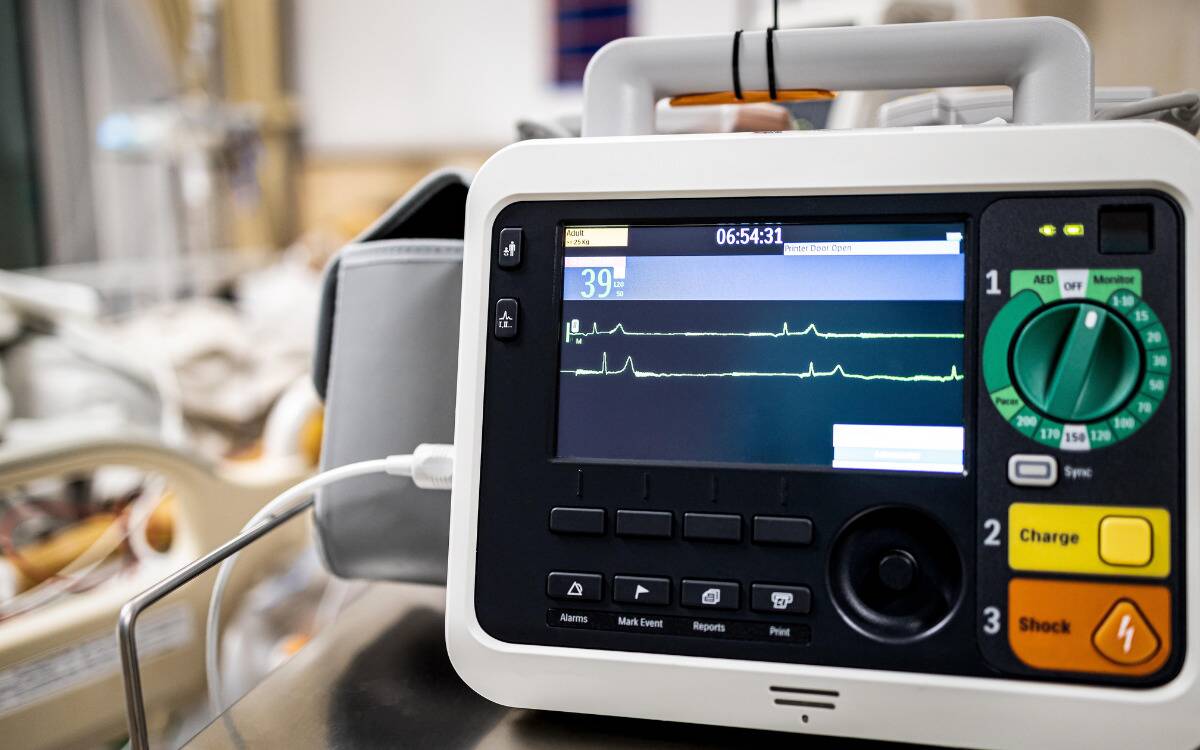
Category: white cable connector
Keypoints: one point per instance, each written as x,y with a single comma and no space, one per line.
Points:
431,467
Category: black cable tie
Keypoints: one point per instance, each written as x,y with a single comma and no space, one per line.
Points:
771,63
737,73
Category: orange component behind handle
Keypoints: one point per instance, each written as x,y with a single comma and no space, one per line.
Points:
753,97
41,560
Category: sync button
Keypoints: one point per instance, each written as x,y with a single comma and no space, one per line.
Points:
1031,470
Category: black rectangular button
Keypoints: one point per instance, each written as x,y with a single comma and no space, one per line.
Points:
782,530
506,318
641,590
710,594
580,587
509,251
1126,229
712,527
780,599
577,520
645,523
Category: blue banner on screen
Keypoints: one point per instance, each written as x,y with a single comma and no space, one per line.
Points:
836,345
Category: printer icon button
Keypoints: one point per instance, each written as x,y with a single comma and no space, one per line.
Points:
780,599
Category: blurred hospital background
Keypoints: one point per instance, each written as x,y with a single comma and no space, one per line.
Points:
174,176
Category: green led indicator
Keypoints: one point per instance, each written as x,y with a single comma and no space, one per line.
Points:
1047,230
1073,230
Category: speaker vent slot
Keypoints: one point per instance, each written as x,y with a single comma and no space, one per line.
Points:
803,697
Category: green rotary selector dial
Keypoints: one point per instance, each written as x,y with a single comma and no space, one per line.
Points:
1080,372
1076,362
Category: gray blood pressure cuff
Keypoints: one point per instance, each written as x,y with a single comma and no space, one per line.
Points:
385,365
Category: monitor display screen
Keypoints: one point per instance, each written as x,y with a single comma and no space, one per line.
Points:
836,345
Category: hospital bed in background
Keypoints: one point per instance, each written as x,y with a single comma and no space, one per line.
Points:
59,667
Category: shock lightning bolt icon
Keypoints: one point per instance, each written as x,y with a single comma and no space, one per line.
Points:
1125,633
1125,636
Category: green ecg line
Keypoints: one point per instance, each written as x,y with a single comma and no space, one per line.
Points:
810,330
811,372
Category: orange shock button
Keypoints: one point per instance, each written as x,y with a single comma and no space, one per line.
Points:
1074,626
1124,637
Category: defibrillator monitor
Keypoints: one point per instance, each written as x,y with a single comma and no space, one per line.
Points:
735,315
873,433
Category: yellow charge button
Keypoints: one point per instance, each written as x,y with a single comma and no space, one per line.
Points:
1075,626
1126,540
1089,539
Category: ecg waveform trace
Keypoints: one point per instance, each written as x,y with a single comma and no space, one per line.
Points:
810,330
629,368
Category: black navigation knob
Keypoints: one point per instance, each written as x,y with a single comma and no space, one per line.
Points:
897,570
895,573
1076,362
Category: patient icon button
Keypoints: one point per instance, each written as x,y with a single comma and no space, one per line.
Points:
1124,636
509,255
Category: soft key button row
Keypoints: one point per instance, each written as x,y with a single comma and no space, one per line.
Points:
697,527
1105,628
1089,539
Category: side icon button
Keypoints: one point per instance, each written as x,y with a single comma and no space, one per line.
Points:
505,326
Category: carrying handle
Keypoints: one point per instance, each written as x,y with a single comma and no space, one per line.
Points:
1046,61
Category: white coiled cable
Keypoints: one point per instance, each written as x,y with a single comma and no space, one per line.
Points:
431,467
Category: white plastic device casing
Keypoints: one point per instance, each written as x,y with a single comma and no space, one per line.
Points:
898,706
